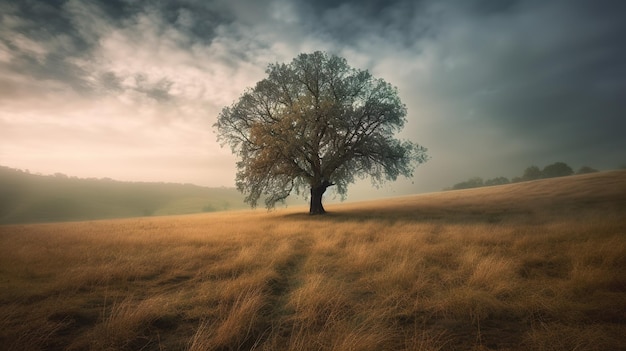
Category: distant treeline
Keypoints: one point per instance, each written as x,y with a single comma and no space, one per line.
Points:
557,169
27,198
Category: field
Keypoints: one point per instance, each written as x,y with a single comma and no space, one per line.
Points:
529,266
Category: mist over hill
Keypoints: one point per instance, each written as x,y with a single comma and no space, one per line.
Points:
30,198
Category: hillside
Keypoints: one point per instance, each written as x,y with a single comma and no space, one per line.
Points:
602,191
530,266
29,198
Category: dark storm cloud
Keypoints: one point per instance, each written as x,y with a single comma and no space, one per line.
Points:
550,73
504,83
491,86
47,26
547,74
63,32
345,22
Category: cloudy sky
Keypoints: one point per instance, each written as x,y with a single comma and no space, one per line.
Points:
129,89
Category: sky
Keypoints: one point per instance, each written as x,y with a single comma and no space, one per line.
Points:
130,89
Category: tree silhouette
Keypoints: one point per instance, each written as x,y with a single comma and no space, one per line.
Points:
312,124
586,169
497,181
474,182
557,169
531,173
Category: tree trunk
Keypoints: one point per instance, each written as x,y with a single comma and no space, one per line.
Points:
316,198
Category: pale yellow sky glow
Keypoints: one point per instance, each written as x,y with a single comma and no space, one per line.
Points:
131,92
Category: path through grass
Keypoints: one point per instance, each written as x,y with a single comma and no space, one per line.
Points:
538,266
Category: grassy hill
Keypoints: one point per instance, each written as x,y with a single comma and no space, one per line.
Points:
527,266
29,198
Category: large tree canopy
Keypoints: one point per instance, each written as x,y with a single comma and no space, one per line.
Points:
314,123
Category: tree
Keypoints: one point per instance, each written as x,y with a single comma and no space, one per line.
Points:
531,173
497,181
315,123
586,169
474,182
557,169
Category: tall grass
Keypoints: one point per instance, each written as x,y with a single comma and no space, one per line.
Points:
503,268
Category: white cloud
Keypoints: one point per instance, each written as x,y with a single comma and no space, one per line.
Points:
126,132
473,83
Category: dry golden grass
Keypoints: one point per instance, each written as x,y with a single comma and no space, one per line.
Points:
529,266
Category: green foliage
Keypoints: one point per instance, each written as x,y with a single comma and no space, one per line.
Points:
313,123
586,169
497,181
26,198
557,169
532,173
474,182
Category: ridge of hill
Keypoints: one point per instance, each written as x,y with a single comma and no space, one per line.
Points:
528,266
30,198
600,191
